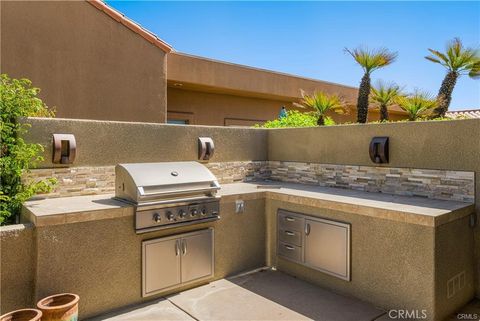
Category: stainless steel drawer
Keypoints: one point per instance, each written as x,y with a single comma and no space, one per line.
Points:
289,251
290,222
291,237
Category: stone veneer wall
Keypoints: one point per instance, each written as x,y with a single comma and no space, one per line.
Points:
436,184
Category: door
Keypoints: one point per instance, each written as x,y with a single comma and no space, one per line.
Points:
197,256
161,264
327,247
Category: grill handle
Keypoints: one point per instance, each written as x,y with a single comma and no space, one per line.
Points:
142,192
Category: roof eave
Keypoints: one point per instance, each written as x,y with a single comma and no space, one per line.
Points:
120,18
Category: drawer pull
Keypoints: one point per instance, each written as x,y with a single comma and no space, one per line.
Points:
289,219
288,247
289,233
307,229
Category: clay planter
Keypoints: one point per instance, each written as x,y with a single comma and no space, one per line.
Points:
22,315
59,307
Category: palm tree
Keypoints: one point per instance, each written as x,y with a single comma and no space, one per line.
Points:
458,61
384,95
369,60
321,103
417,105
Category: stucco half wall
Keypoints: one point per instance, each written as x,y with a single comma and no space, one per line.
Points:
109,142
446,145
87,65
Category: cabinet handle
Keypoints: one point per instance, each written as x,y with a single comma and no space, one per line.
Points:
184,247
289,233
288,247
307,229
289,219
177,248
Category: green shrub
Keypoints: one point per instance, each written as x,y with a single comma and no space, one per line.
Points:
18,99
296,118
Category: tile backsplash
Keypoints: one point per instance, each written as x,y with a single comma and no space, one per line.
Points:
435,184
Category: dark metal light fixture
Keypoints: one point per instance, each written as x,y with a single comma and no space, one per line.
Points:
64,148
379,150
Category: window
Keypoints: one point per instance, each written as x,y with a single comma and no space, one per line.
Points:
180,118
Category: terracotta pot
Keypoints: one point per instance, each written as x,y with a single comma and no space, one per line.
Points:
59,307
22,315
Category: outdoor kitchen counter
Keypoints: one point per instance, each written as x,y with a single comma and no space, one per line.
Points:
414,210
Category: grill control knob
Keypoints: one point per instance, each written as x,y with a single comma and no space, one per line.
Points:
182,213
194,212
157,218
170,216
203,211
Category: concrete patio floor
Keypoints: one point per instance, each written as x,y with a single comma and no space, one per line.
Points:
264,295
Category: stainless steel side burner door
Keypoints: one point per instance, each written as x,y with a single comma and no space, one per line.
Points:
327,247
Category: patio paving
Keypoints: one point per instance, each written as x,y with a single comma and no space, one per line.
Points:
265,295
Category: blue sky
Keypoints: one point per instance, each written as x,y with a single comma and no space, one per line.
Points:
307,38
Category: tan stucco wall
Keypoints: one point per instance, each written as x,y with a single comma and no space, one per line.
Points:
17,267
68,257
110,143
394,265
219,109
448,145
214,90
207,74
87,65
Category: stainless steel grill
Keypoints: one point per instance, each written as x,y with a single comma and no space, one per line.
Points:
168,194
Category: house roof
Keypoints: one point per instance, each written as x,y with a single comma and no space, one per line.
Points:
130,24
467,113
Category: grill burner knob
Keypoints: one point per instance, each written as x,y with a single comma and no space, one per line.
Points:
170,216
194,212
157,218
204,211
182,213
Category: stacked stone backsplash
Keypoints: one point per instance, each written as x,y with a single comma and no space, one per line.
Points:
435,184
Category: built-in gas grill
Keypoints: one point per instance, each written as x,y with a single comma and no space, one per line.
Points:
169,194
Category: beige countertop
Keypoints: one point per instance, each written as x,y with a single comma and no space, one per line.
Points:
415,210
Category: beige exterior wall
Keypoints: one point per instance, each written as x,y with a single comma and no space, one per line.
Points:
87,65
210,92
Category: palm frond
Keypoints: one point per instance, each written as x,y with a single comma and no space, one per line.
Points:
321,102
456,58
418,104
383,93
372,59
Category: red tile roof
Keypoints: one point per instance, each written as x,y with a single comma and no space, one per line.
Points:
468,113
119,17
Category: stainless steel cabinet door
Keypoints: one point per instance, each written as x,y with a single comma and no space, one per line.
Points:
197,256
327,247
161,265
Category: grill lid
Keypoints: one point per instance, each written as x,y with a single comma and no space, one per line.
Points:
156,182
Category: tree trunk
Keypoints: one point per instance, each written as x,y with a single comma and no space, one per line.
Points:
362,102
320,120
383,113
445,94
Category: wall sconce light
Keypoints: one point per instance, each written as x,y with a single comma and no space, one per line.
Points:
379,150
64,148
206,148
